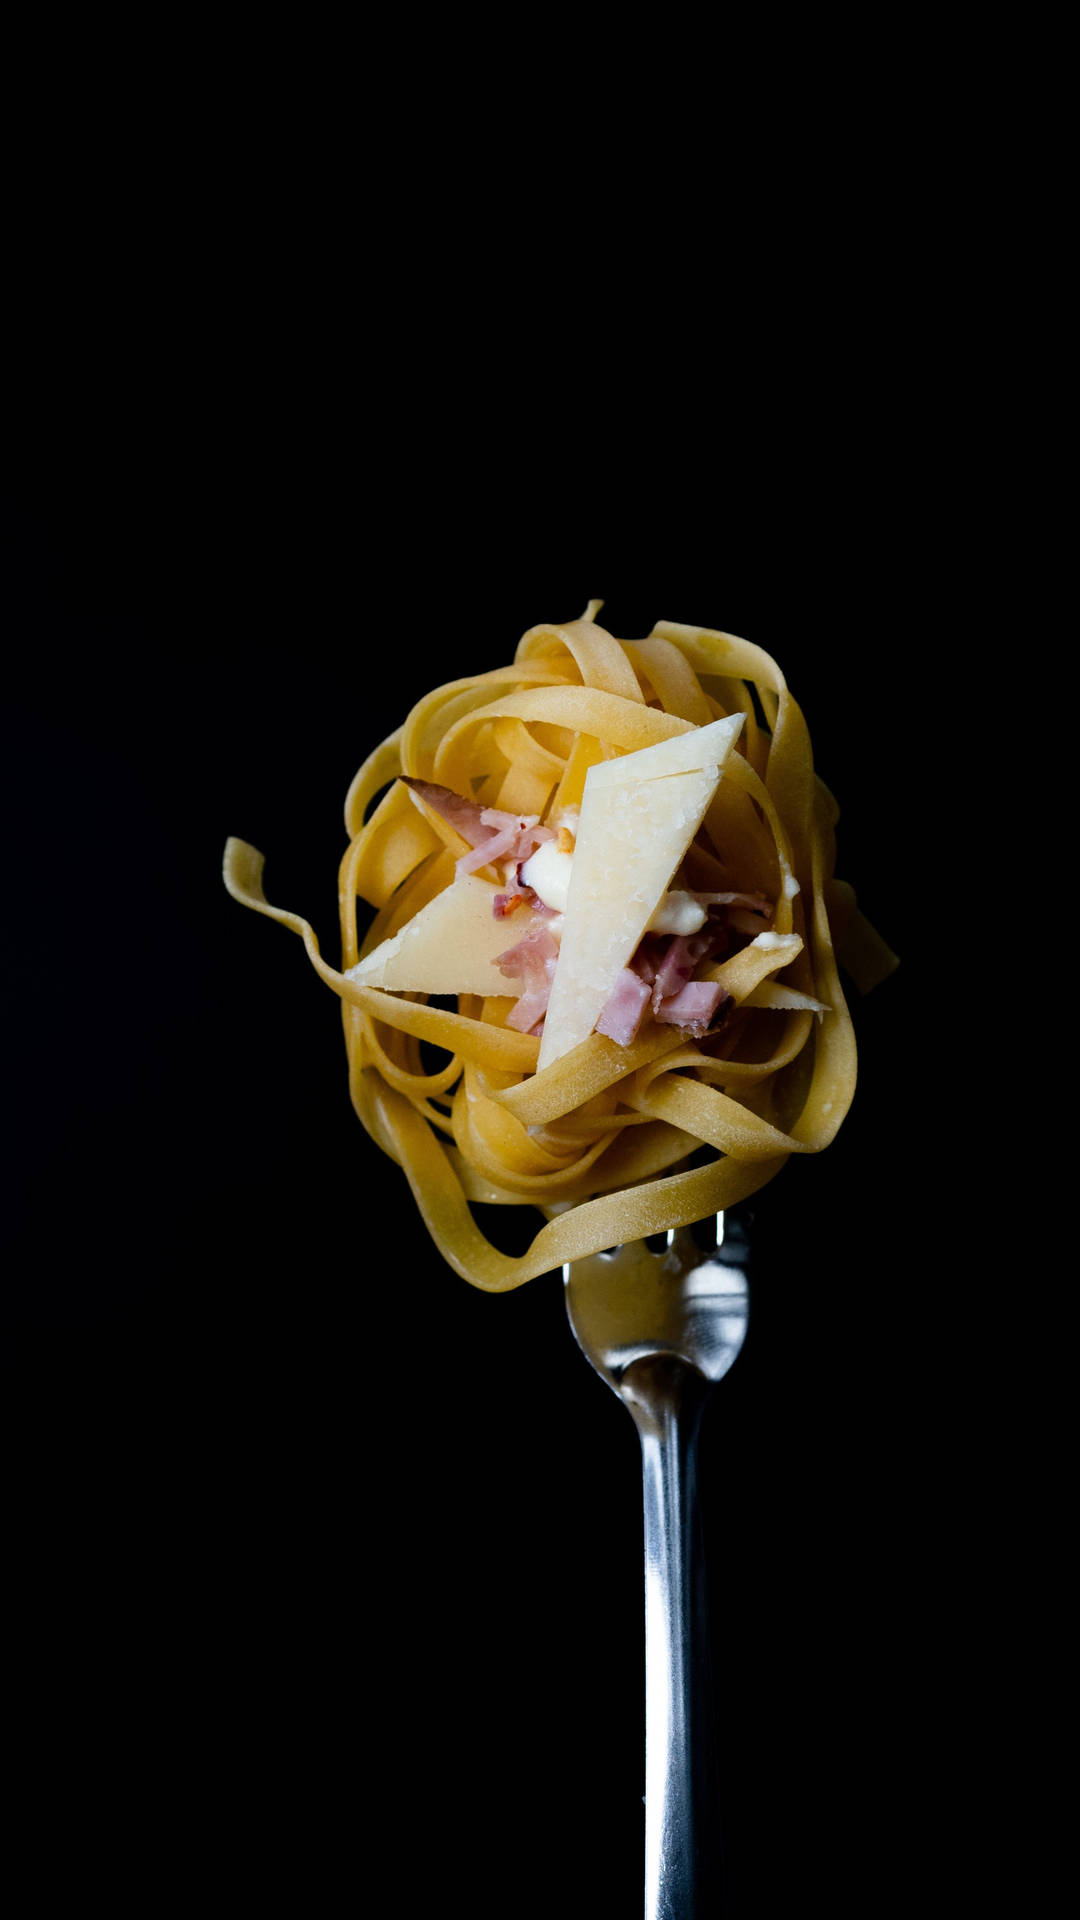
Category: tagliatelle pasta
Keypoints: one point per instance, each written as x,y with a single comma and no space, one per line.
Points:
598,1140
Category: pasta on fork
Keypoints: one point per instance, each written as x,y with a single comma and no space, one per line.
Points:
617,861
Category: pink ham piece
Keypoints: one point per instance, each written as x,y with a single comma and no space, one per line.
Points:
693,1007
532,961
624,1008
663,968
530,839
508,830
678,963
492,834
465,816
528,1012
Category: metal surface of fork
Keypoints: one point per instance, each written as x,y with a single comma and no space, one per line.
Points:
661,1327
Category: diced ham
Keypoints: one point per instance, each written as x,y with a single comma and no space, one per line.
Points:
496,818
532,961
625,1008
662,969
516,835
530,839
465,816
534,953
661,973
693,1007
492,833
675,969
499,847
527,1012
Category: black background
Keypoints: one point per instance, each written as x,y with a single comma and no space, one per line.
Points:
333,1546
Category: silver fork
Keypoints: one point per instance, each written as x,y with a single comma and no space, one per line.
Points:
661,1327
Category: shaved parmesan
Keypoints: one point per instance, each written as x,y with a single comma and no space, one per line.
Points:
639,814
450,946
687,753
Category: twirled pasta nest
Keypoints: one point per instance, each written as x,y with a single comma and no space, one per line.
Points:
599,1140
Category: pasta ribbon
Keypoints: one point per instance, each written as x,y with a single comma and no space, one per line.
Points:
598,1142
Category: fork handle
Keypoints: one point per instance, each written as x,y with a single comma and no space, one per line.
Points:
666,1399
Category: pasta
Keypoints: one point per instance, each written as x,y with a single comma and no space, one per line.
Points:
598,1140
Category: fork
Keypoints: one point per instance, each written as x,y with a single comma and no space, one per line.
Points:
661,1326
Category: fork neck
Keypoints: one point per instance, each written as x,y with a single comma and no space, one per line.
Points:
666,1399
662,1388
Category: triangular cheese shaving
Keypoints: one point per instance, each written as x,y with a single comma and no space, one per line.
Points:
639,814
684,753
450,946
